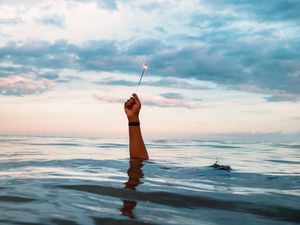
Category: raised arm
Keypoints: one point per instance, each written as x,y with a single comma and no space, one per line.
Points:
137,148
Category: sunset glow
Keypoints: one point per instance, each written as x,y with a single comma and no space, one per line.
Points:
66,67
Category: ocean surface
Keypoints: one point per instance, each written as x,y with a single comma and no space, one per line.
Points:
55,180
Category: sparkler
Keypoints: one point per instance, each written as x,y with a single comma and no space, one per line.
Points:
145,67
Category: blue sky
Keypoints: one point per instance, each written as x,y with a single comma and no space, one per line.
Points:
214,66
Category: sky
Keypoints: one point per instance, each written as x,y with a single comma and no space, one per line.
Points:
215,67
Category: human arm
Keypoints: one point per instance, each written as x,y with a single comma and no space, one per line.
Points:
137,148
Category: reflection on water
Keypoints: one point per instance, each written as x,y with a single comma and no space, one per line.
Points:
46,180
135,173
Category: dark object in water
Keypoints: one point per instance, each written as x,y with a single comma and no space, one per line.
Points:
220,167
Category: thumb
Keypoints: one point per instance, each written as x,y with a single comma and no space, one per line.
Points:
136,98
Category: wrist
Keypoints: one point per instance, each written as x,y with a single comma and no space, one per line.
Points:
134,124
133,119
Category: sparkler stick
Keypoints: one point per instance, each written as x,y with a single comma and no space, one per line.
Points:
145,67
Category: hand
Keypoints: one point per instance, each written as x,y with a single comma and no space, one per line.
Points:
132,108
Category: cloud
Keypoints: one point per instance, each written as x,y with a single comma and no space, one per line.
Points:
162,82
55,21
12,70
263,9
108,4
49,75
145,47
228,64
275,95
172,95
11,21
171,102
231,43
105,4
284,98
20,86
19,2
156,101
109,99
232,65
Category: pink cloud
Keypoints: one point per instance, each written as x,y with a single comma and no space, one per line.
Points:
21,85
156,101
109,99
170,102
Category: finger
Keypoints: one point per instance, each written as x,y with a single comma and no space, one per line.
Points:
136,98
132,101
127,103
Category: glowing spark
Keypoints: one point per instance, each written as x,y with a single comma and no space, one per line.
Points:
145,67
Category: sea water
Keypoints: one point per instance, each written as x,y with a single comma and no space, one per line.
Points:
60,180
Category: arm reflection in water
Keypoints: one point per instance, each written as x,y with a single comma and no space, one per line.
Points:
135,173
137,151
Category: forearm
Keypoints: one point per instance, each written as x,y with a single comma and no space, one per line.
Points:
137,148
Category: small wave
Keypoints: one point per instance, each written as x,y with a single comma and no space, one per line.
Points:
63,163
101,221
57,144
220,146
23,223
64,222
8,198
283,161
112,145
11,140
189,201
288,146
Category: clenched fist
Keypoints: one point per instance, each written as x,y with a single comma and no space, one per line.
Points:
132,108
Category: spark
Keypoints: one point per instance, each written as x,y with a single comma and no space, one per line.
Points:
145,67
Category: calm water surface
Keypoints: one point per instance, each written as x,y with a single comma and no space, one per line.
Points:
50,180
